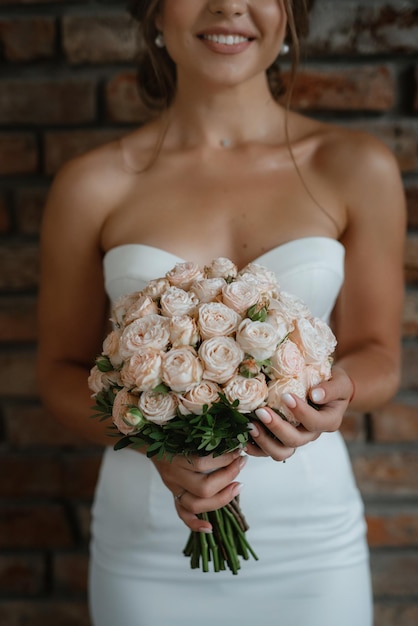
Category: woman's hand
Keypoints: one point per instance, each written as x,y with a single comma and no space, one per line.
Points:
332,399
201,484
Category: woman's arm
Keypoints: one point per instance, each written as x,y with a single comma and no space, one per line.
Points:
367,316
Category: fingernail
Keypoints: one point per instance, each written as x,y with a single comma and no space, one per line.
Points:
264,416
289,400
317,395
207,531
238,489
243,461
253,430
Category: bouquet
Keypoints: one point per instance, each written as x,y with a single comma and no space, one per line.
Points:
189,360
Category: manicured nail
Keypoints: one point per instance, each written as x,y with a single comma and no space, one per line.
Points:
207,531
243,461
317,395
289,400
238,489
253,430
264,416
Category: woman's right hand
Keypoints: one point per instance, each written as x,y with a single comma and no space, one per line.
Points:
201,484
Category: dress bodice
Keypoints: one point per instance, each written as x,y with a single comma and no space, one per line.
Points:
311,268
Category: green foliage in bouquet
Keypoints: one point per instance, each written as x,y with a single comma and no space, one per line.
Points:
217,430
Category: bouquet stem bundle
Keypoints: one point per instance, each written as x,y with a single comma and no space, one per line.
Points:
227,543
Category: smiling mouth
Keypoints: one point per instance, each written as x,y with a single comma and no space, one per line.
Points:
227,40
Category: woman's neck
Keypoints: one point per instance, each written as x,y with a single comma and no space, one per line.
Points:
224,117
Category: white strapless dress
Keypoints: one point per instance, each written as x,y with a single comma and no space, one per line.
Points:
306,516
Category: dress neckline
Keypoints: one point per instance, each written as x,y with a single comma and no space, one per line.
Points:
283,247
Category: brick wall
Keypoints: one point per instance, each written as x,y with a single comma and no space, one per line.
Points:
67,83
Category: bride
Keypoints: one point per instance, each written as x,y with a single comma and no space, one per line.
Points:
223,170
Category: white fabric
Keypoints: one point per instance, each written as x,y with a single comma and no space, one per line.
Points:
306,516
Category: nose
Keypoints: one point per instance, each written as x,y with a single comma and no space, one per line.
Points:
228,7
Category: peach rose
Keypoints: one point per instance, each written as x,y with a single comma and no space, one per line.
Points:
216,319
155,288
276,389
206,392
125,421
183,274
291,306
279,320
183,331
175,301
121,305
143,371
251,392
208,289
221,357
221,268
142,306
258,339
287,361
158,408
102,381
151,332
315,374
315,339
240,296
264,279
111,348
182,369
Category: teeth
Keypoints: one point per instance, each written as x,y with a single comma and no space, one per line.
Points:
228,40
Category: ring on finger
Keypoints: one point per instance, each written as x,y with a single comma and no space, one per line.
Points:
179,496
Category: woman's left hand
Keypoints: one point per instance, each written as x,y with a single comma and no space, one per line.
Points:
331,399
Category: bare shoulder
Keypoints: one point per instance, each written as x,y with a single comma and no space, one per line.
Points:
363,171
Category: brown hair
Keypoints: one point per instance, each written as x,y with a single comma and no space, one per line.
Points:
157,72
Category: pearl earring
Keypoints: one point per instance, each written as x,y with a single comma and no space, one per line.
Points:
159,41
285,49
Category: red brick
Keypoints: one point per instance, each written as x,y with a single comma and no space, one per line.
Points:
364,88
19,266
353,427
397,422
27,39
29,476
70,101
21,574
29,206
18,318
39,526
411,259
80,475
60,147
398,528
357,28
70,573
411,192
405,614
30,427
394,574
18,377
390,473
45,613
122,99
104,38
18,154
